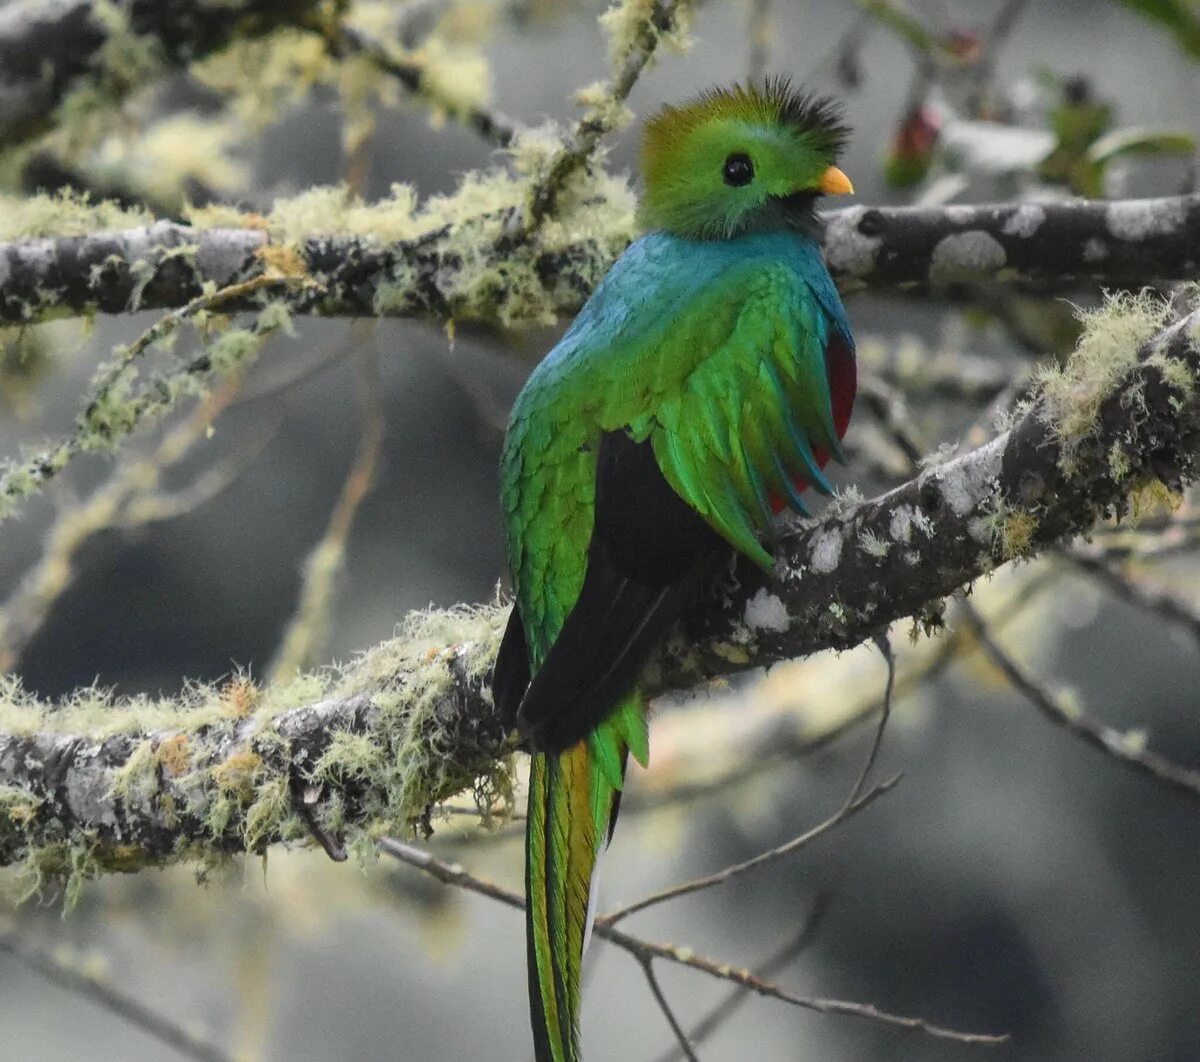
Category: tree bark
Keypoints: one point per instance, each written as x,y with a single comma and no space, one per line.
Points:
47,45
838,581
1064,244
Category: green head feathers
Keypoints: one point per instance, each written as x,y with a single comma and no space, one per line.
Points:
741,159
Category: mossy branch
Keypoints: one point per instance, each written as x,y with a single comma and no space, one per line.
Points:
116,407
47,49
451,263
95,784
636,30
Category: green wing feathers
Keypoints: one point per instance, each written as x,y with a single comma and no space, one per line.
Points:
725,377
743,426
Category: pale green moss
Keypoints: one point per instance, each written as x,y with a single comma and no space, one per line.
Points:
629,28
265,816
873,545
1119,465
1150,496
17,806
261,77
1012,528
1176,373
349,757
382,778
1107,352
171,156
65,213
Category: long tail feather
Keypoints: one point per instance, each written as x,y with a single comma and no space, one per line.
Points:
572,803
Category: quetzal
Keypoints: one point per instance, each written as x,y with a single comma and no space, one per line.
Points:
700,389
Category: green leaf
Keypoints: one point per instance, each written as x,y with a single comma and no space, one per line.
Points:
1181,17
1138,141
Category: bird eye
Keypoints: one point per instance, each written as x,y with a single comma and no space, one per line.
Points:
738,171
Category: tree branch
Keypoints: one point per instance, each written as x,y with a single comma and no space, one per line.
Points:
92,785
47,45
99,991
476,268
646,951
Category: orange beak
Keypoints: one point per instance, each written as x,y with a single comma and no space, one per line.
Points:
834,182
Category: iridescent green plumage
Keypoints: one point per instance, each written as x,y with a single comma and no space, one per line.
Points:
709,373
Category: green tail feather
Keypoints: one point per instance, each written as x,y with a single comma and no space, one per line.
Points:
572,800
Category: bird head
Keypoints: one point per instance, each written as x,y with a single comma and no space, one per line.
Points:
741,159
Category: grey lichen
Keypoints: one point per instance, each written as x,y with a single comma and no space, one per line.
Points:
963,255
1139,219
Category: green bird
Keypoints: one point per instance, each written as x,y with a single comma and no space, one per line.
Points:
699,391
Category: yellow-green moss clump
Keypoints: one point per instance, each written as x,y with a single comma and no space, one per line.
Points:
1113,335
65,213
374,747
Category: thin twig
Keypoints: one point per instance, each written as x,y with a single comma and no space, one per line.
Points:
887,405
854,803
1173,608
20,480
686,888
997,36
155,508
687,957
660,998
736,997
496,128
1123,748
662,19
645,950
112,1000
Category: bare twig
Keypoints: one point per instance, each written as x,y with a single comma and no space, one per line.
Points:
155,507
496,128
687,957
856,801
1173,608
99,992
661,20
887,405
1124,748
993,44
645,951
849,809
660,998
778,962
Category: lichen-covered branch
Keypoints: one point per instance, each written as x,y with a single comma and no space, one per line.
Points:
90,784
46,46
472,267
635,32
496,128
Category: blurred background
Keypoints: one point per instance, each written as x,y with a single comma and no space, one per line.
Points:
1016,881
